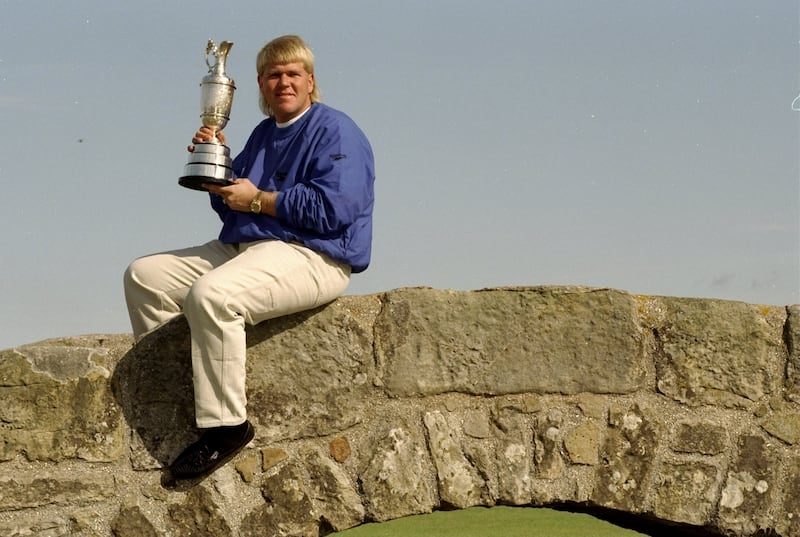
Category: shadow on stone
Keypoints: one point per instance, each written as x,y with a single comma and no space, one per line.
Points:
647,525
153,385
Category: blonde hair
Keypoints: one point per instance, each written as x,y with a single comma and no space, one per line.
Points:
281,50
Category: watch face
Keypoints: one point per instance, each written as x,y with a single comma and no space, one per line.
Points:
255,206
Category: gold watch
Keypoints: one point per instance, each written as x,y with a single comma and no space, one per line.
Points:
255,205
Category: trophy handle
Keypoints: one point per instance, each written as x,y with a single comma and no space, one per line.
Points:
220,54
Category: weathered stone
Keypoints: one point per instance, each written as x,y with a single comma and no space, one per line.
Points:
198,515
476,424
61,489
728,461
699,437
247,466
788,523
82,520
398,481
334,494
481,453
583,443
510,340
592,406
131,522
719,352
750,485
530,403
761,411
791,336
547,441
514,458
784,426
460,484
40,526
686,492
58,404
327,354
289,511
628,456
271,457
340,449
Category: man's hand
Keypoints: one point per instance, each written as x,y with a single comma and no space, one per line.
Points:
240,193
237,195
205,134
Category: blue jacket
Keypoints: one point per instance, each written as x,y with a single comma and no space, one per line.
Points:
323,170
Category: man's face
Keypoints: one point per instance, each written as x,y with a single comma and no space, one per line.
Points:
287,89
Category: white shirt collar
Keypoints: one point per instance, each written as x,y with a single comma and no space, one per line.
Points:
293,120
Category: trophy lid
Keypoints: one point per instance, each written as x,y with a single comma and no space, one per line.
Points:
220,54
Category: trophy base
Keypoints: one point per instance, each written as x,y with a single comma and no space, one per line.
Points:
196,182
209,163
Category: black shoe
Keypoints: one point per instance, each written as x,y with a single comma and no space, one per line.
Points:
217,446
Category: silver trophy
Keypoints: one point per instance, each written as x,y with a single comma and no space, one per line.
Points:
211,161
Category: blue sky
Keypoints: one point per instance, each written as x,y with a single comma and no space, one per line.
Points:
648,146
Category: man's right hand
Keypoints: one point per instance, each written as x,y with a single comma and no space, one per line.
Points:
205,134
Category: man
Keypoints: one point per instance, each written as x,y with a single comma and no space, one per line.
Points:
296,221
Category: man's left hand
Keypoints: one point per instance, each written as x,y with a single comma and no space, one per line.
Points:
237,195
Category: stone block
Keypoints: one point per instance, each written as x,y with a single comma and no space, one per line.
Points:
61,488
701,437
514,457
460,483
339,449
131,522
686,492
784,425
583,443
272,457
198,514
628,459
247,466
288,510
398,480
788,523
308,374
719,352
547,443
333,492
749,488
513,340
58,403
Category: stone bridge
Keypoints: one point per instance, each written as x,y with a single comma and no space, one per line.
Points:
679,412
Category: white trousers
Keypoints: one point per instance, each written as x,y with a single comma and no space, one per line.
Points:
220,287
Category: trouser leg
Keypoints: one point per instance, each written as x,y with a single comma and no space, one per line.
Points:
156,285
267,279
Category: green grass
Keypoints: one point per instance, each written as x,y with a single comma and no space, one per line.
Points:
493,522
